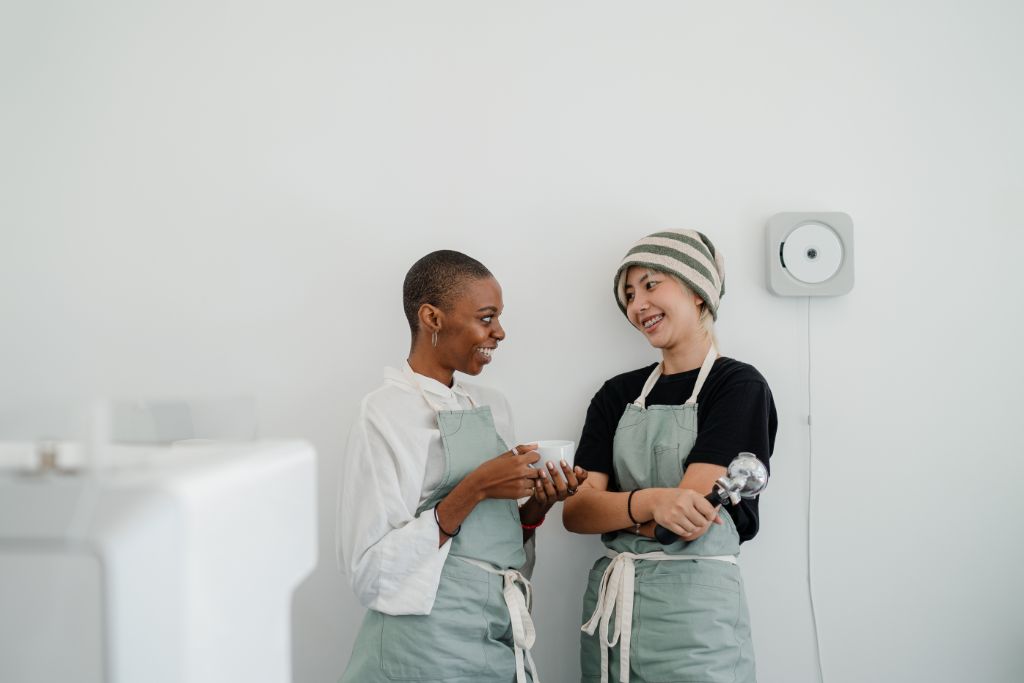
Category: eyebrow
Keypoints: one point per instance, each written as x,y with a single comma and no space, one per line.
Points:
645,276
492,309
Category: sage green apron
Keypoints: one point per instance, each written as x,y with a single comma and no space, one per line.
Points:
675,612
479,629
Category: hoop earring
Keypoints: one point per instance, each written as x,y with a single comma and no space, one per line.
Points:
433,339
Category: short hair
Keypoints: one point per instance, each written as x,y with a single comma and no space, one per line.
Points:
435,279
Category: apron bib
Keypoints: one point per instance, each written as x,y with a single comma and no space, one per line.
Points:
479,628
665,613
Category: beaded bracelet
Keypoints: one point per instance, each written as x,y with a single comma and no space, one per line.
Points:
441,528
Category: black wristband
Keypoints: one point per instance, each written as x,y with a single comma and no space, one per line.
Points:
441,528
629,509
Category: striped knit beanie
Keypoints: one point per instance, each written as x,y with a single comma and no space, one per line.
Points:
687,254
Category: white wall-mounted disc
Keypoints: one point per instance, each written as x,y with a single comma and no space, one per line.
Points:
812,253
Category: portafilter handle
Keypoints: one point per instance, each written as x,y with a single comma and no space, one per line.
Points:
746,478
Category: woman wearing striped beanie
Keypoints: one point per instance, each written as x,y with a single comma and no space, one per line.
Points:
677,611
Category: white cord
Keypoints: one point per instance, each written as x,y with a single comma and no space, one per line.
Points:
810,488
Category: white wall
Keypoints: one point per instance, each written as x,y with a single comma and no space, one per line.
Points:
222,198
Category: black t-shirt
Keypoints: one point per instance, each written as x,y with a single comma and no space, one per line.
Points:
735,413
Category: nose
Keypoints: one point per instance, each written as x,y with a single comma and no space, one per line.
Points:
639,302
636,309
497,331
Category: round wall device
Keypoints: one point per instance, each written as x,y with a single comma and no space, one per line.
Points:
810,254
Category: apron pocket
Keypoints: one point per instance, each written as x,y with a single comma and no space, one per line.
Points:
446,643
691,626
668,467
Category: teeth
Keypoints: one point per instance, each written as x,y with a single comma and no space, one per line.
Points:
655,319
486,352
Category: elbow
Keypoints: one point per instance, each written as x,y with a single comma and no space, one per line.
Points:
572,517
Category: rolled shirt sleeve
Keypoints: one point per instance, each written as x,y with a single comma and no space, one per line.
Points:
394,460
391,555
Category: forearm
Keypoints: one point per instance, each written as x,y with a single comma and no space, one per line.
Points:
593,511
455,507
701,477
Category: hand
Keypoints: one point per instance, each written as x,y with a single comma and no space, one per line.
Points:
507,476
684,512
551,488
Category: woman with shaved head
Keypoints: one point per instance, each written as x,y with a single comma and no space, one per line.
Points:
430,530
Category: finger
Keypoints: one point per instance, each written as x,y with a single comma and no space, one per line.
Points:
528,488
676,529
581,474
678,524
694,521
549,489
570,476
529,458
532,472
521,449
693,518
706,509
539,492
560,486
701,513
718,519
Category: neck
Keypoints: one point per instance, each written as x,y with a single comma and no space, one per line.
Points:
424,361
683,357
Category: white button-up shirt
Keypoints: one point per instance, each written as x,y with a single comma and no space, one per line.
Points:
394,461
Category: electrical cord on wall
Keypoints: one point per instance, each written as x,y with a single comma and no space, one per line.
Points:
810,488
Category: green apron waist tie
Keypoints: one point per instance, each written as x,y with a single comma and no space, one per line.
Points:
615,596
519,603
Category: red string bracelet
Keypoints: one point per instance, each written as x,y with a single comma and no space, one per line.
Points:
530,527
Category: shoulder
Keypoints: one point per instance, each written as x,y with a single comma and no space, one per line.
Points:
390,401
617,391
621,389
627,382
728,372
734,383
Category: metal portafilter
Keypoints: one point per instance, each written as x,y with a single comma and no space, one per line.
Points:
746,477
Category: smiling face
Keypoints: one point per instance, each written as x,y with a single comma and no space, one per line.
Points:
665,310
470,330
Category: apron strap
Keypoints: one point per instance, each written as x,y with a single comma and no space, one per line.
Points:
518,601
411,376
615,596
705,370
652,379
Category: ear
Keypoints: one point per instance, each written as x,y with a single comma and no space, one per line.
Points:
431,318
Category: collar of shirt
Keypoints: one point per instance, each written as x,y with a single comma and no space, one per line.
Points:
428,384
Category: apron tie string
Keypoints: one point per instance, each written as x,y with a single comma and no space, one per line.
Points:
518,601
615,597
